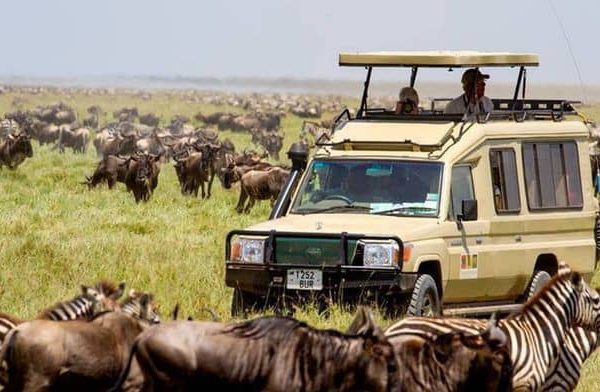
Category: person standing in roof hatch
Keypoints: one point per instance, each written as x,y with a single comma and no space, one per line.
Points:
473,100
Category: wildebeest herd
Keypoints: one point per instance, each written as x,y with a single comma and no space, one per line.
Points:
133,148
95,343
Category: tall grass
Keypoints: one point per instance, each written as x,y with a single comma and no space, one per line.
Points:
55,234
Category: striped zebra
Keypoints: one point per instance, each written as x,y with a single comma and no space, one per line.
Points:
140,305
535,334
578,347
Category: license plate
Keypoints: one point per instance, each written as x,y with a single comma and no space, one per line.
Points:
304,279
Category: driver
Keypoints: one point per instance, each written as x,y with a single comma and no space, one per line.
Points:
357,184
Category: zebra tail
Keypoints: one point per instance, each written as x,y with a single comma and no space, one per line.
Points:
125,371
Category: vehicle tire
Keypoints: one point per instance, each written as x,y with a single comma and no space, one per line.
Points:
243,303
540,278
425,300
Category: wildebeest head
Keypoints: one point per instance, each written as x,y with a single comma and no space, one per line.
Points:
229,176
484,357
378,362
145,167
22,145
104,295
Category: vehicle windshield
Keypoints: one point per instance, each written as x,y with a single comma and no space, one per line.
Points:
370,187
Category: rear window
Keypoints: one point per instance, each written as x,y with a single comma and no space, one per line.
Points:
552,177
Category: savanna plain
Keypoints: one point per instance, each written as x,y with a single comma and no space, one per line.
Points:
55,234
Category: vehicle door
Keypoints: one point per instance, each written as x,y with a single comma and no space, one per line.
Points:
464,240
509,267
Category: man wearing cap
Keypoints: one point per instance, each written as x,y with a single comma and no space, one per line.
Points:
473,100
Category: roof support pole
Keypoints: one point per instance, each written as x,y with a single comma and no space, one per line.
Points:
413,76
363,101
516,95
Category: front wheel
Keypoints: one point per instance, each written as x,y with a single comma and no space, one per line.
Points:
425,300
243,303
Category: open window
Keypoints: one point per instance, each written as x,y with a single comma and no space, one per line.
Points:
552,177
505,187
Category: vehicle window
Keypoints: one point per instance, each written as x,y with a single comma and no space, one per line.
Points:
552,175
370,186
504,180
461,188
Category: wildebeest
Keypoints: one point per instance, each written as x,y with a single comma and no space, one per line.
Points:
271,353
197,168
261,185
93,300
110,169
142,175
76,139
455,361
91,122
73,355
14,150
149,119
192,173
107,144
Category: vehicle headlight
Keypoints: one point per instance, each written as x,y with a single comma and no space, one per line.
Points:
248,250
380,253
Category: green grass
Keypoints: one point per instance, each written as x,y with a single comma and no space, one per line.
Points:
55,234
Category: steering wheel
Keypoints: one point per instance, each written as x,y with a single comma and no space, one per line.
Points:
343,198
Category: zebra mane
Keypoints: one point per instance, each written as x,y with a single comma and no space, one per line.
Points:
562,275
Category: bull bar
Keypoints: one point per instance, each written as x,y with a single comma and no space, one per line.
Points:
341,282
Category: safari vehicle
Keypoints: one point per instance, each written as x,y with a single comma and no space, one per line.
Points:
427,213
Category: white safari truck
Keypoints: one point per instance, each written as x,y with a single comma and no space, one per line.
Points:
427,213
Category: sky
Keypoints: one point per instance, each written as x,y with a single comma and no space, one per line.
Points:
283,38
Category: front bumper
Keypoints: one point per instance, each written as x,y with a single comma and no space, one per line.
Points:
339,282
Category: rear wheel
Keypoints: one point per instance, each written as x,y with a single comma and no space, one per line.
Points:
243,303
425,300
539,280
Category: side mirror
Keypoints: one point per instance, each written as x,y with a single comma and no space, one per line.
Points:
468,213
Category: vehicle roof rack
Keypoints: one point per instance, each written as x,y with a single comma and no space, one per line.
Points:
444,59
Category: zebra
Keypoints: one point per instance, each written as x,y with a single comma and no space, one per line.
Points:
140,305
579,345
535,334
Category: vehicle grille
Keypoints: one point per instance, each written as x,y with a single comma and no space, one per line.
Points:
310,251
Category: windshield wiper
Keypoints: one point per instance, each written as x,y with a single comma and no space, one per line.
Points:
340,207
406,208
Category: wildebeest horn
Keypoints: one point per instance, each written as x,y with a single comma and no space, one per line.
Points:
363,323
494,336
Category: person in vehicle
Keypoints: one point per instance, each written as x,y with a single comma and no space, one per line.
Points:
357,184
473,100
408,101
